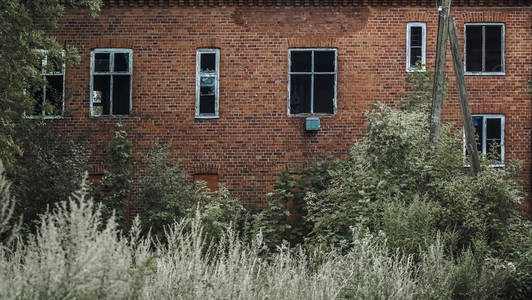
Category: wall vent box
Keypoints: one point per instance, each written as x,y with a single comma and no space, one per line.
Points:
312,123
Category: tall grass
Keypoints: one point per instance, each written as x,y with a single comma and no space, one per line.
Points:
75,254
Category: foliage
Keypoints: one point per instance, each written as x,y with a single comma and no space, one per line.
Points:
76,253
116,182
166,195
8,227
51,168
23,26
285,217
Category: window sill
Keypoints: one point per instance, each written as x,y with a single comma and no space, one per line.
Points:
44,117
485,73
412,70
206,117
311,115
109,116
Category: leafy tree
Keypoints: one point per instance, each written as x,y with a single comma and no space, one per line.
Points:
23,25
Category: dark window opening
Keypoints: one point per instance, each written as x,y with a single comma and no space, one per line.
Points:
207,83
312,79
489,132
111,82
484,48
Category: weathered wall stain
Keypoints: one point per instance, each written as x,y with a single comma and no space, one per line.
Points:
333,21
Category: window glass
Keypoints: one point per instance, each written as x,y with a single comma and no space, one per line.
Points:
323,61
415,45
324,93
121,63
312,78
207,77
484,48
111,82
301,61
101,62
300,86
493,49
489,131
208,63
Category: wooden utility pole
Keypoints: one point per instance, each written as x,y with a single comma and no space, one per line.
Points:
439,73
471,144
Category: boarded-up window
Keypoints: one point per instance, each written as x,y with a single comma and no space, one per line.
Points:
210,179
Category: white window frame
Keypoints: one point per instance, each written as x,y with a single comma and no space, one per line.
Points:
215,75
503,47
483,142
312,73
111,73
409,26
44,74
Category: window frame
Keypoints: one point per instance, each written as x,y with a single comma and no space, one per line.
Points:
423,26
502,117
312,73
111,73
44,73
503,49
199,74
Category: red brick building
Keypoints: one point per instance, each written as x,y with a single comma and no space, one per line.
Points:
231,83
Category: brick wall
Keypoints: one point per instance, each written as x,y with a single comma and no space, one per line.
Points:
254,138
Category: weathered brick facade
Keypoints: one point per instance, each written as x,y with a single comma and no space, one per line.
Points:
254,138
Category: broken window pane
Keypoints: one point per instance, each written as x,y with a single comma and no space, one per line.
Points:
324,93
121,63
301,61
100,100
493,49
121,94
37,95
53,65
415,56
208,62
207,90
300,87
207,80
473,48
54,95
324,61
477,130
493,138
207,104
101,62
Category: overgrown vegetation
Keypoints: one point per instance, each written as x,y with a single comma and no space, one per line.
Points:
167,195
22,40
78,254
395,220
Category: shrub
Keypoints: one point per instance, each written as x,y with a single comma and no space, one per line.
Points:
166,196
113,188
51,168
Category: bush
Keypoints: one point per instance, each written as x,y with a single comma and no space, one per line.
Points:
115,185
166,196
51,168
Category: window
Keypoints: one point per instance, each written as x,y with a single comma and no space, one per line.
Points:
312,81
489,130
415,45
50,97
111,81
484,48
207,78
